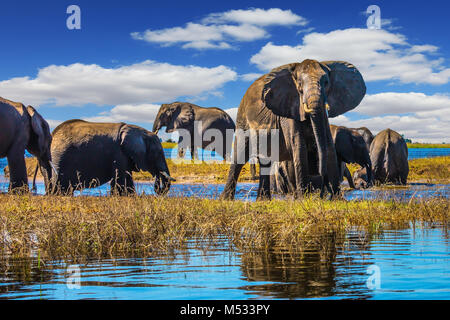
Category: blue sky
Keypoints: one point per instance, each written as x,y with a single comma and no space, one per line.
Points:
131,56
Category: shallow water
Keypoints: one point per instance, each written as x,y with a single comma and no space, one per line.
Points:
248,191
405,264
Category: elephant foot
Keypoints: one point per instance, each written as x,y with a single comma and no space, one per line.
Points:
227,196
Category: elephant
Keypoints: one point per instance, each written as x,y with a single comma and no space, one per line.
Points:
89,154
296,100
182,115
350,148
23,128
366,134
389,156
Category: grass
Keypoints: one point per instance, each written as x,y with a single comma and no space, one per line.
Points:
76,228
169,145
428,145
431,170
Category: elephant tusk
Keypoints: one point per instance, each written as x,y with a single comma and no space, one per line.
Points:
156,131
305,107
167,176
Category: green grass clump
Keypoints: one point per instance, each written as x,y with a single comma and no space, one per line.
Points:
80,227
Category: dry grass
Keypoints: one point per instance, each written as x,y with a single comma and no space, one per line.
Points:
428,145
79,227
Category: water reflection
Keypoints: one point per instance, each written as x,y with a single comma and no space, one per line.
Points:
413,263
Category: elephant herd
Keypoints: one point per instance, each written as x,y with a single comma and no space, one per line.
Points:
287,108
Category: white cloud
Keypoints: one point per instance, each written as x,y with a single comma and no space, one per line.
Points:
232,112
250,76
258,17
143,113
378,54
421,117
148,81
218,29
398,103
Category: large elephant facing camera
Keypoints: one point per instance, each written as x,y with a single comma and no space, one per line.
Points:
23,128
183,115
88,154
296,99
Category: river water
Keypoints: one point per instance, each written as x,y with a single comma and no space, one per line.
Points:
403,264
413,263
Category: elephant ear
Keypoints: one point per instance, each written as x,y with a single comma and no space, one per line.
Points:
280,93
347,87
185,116
133,144
41,128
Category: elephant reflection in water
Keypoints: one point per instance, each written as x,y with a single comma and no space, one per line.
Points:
311,272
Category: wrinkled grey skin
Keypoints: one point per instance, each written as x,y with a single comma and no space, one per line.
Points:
366,134
293,99
350,148
389,156
23,128
88,154
181,115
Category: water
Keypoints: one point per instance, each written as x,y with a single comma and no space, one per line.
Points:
410,264
413,153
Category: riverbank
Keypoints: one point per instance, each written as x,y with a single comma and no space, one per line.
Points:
429,170
54,227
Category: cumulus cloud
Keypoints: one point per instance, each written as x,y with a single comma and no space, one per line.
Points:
378,54
420,117
143,113
258,17
250,76
147,81
217,30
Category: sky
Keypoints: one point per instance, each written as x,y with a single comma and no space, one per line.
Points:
131,56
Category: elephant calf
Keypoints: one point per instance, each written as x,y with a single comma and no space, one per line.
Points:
389,156
23,128
351,148
88,154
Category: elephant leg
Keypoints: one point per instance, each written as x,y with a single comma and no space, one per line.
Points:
17,169
264,181
122,184
236,166
253,170
299,155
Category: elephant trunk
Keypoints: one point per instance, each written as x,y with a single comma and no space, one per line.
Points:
317,116
369,173
163,180
47,171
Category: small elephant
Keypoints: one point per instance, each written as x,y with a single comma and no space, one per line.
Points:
366,134
295,99
389,156
23,128
88,154
183,115
350,148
